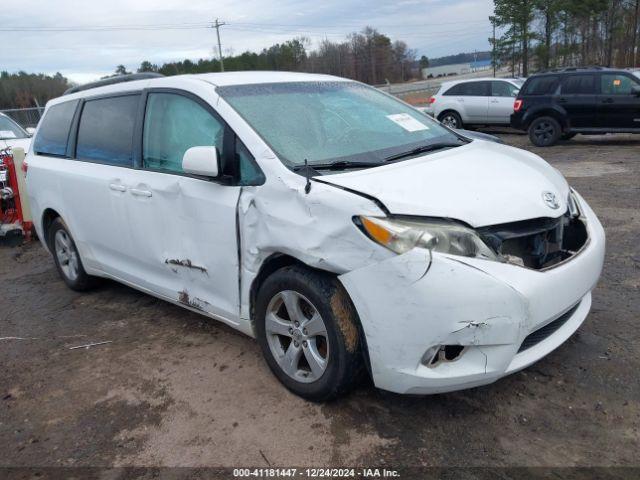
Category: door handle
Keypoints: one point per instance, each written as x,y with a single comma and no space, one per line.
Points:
494,101
607,100
117,187
562,100
140,193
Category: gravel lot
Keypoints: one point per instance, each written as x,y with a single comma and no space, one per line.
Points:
175,389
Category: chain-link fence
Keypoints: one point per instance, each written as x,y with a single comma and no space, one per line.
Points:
25,117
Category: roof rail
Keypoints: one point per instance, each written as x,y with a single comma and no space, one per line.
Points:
574,69
113,80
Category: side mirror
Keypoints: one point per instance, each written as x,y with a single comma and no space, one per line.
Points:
635,90
30,131
201,161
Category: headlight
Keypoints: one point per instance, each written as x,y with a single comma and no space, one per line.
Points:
444,236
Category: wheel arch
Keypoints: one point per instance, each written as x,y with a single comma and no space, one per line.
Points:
275,262
48,216
554,113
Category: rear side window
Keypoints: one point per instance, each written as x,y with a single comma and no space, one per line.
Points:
105,133
469,89
503,89
579,84
617,84
541,85
53,133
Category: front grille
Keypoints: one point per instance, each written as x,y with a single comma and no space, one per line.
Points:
549,329
538,243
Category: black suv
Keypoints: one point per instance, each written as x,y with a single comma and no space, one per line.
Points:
562,103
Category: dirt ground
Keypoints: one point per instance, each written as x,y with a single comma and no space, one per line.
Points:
175,389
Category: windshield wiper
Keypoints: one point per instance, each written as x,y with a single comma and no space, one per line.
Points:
422,149
339,165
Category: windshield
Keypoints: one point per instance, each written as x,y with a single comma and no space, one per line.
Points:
10,129
329,122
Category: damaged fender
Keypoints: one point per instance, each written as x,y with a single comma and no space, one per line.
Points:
315,228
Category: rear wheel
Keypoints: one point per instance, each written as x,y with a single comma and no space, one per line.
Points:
544,131
67,258
450,119
308,330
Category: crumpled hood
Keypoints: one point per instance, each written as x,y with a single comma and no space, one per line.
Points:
481,183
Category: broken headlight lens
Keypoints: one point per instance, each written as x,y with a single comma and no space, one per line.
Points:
438,235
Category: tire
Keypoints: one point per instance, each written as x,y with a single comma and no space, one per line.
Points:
67,258
544,131
323,366
567,136
451,119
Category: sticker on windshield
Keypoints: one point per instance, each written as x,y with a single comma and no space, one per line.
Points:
7,134
407,122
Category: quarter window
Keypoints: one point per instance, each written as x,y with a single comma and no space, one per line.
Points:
173,124
617,84
546,85
250,173
579,84
53,133
105,134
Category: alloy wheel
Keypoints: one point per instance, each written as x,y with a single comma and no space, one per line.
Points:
450,121
544,132
66,254
297,336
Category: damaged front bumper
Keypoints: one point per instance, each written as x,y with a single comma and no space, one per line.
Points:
418,309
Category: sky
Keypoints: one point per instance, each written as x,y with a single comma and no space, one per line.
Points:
86,39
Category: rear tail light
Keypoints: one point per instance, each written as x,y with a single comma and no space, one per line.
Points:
432,100
517,105
25,167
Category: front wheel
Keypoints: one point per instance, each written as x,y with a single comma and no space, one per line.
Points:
544,131
307,328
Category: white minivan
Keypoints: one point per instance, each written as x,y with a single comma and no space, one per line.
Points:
346,231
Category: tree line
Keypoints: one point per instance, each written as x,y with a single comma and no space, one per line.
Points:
367,56
25,90
542,34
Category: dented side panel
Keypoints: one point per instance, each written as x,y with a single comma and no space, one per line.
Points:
183,241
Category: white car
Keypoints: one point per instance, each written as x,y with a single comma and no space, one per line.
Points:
481,101
13,135
343,229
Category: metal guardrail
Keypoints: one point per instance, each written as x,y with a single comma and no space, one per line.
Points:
25,117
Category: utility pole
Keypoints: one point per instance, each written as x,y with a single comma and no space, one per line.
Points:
493,45
217,26
634,45
493,52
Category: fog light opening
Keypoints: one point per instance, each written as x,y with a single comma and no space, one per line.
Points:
442,353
